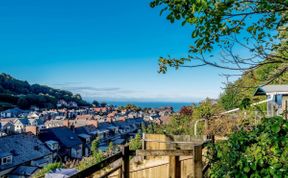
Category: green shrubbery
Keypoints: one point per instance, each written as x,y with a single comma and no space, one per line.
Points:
95,158
259,152
135,143
47,169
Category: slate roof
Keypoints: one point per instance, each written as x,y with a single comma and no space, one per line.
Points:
81,130
63,135
271,89
103,126
24,121
24,170
23,147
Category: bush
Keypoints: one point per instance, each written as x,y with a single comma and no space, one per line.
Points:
259,152
47,169
95,158
90,161
135,143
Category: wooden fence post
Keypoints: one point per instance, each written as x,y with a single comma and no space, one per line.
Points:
197,161
174,167
144,145
120,173
125,161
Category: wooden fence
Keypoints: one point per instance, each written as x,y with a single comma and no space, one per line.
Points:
182,159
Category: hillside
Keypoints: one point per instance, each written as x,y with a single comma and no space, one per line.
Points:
245,86
19,93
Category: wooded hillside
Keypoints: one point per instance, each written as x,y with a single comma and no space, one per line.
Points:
19,93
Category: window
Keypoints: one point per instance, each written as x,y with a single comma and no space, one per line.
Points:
6,160
9,159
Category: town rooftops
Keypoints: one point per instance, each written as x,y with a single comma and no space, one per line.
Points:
23,147
63,135
271,89
84,136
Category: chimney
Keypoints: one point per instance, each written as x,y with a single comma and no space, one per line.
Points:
72,128
66,123
109,120
32,128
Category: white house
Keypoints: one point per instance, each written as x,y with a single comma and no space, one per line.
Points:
277,98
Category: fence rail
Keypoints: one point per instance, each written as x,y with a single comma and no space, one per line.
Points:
174,161
97,167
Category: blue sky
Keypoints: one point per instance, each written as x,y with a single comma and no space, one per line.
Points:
106,50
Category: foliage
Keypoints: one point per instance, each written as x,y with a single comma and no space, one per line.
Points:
257,152
206,109
90,161
94,146
96,103
178,125
96,157
135,143
245,87
186,111
103,104
230,97
183,124
47,169
245,103
110,148
24,95
224,125
257,26
130,107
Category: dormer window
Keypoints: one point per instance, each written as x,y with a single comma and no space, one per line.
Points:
6,160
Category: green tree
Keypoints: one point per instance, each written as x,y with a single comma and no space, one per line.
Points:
132,107
103,104
96,103
206,109
258,27
186,111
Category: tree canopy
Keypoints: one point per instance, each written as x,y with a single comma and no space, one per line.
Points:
259,27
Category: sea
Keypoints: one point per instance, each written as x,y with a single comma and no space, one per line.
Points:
176,105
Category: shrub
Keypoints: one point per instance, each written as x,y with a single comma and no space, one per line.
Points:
47,169
258,152
135,143
90,161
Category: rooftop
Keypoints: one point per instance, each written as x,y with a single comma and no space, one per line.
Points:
269,89
23,147
64,135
